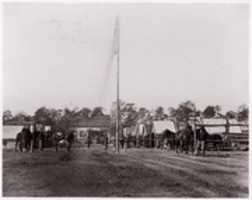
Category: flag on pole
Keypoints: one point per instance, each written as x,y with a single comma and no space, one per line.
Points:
116,37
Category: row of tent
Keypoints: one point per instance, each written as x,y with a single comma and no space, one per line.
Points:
10,131
156,127
212,126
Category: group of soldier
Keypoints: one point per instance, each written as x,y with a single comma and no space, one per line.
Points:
184,140
35,136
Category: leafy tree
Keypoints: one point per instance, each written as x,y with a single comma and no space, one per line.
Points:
212,111
67,120
172,112
42,115
7,115
48,116
185,110
22,117
97,111
231,114
128,113
217,109
209,112
85,112
243,112
159,113
142,113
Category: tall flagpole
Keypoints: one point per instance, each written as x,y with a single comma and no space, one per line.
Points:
118,87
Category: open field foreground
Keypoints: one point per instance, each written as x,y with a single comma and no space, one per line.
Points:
136,173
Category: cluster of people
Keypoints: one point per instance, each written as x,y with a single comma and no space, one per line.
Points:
181,141
103,139
35,136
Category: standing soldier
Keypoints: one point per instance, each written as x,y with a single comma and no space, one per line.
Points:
88,139
40,130
27,137
19,142
201,136
122,141
70,139
106,140
32,137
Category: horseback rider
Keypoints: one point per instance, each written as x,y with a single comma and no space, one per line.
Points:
58,137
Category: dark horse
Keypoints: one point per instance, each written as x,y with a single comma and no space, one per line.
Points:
184,140
23,139
205,141
38,137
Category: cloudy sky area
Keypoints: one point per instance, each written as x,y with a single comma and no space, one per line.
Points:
57,55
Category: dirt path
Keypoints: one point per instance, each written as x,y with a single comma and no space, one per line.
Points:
137,173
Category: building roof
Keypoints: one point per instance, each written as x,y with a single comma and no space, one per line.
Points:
100,121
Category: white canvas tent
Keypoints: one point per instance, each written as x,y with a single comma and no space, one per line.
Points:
140,130
160,126
10,131
129,131
234,129
215,121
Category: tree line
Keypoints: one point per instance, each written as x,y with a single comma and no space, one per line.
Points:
60,118
129,114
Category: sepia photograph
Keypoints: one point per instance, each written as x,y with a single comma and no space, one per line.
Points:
125,99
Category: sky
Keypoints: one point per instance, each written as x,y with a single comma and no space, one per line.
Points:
59,55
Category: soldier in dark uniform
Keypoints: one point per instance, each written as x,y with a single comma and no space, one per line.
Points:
89,139
70,140
122,141
27,137
106,140
201,136
40,135
23,139
19,142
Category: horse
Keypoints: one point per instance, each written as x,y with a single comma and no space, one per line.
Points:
187,139
184,140
178,141
19,141
38,137
201,138
216,140
23,139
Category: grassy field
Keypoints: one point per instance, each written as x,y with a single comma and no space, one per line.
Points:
137,173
